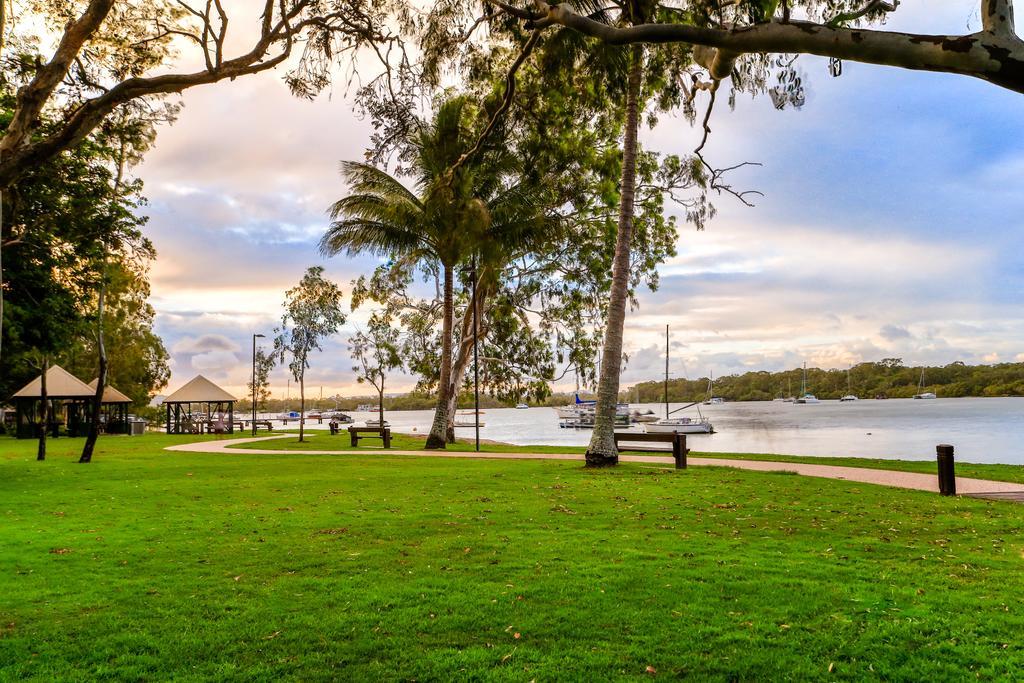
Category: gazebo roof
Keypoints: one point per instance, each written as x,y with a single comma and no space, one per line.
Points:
199,390
110,394
59,384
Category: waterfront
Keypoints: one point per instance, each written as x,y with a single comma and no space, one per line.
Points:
983,430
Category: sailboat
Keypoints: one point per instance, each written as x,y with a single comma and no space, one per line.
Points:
920,386
805,396
680,425
850,396
712,400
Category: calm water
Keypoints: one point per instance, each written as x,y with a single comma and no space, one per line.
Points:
987,430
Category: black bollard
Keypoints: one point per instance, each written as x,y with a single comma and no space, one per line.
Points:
947,472
679,450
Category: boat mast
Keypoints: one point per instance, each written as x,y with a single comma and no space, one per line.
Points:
803,385
666,372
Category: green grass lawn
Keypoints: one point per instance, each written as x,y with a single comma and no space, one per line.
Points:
154,565
324,441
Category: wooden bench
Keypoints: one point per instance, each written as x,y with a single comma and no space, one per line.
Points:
678,441
266,424
372,433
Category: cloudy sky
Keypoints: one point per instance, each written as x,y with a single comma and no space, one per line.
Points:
890,225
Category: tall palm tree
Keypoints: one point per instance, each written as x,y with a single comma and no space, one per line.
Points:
438,224
602,451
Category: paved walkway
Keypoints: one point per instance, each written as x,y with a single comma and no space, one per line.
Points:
908,480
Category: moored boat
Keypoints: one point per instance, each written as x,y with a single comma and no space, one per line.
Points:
923,394
682,425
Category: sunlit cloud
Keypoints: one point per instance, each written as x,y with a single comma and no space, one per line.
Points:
889,227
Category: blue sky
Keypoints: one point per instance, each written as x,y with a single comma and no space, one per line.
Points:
890,225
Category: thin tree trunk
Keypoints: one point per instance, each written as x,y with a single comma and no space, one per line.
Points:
602,451
380,404
302,405
101,380
438,430
45,409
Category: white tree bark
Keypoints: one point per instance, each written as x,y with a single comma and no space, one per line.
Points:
995,54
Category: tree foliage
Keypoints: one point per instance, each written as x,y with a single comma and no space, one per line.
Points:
65,230
312,313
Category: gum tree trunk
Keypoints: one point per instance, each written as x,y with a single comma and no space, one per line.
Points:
302,405
464,356
602,451
380,402
438,430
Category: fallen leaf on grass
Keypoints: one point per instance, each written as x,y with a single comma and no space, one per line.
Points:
275,634
238,577
831,666
60,551
517,635
333,532
651,670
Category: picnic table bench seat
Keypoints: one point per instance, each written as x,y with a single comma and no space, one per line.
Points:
382,433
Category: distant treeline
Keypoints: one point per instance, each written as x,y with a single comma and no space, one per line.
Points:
411,401
888,378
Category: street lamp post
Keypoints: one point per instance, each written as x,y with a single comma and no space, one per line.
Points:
254,382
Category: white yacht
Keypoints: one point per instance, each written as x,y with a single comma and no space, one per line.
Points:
850,396
522,406
805,396
683,425
920,386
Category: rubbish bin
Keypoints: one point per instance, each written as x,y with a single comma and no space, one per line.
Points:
136,427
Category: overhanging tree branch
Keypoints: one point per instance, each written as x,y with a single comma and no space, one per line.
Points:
994,54
278,30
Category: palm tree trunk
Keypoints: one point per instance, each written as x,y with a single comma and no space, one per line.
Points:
602,451
438,430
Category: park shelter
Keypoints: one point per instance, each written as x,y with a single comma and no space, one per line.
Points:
196,404
114,409
69,398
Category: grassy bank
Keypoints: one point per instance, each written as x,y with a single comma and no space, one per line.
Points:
151,564
323,441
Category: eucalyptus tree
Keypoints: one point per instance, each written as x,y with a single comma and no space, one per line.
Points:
312,312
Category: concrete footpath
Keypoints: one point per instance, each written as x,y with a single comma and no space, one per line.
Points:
999,490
